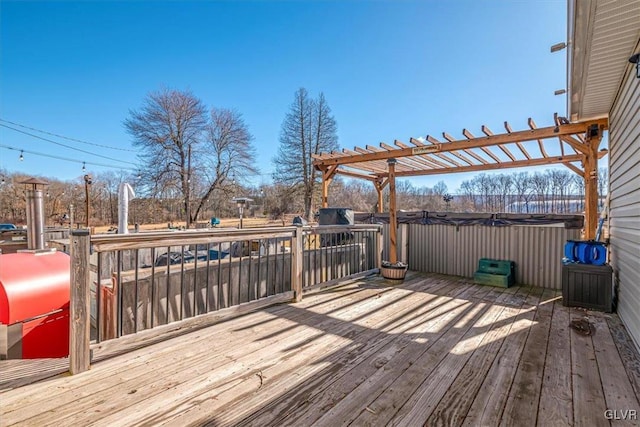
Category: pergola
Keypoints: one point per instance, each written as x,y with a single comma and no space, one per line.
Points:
578,143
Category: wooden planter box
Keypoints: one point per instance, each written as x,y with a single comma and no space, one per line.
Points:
394,273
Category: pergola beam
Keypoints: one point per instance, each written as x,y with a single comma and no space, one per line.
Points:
383,165
425,160
434,141
575,169
469,135
356,175
533,126
440,155
414,161
469,152
576,144
504,149
507,127
492,166
520,136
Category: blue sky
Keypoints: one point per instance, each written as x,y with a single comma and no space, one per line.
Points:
389,70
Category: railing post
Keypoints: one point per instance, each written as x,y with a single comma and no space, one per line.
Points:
80,324
404,228
297,252
379,248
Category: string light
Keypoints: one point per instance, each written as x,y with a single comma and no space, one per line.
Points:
66,159
67,146
21,156
67,138
84,167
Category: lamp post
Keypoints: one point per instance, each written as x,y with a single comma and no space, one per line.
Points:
263,213
241,202
87,184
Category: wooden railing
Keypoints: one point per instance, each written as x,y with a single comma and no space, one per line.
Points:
123,284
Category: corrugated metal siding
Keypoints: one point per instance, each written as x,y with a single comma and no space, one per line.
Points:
446,249
385,241
624,190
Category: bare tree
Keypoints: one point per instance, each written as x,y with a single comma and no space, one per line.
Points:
168,127
504,184
603,185
228,153
308,128
109,182
522,186
540,184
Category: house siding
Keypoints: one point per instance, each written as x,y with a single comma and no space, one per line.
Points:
624,208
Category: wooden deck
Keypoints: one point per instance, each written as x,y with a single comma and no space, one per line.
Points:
436,351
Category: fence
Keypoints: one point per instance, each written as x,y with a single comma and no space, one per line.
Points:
455,250
334,252
123,284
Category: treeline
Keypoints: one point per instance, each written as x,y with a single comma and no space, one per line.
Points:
549,191
61,198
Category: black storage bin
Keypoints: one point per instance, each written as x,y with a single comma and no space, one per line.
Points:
587,286
335,216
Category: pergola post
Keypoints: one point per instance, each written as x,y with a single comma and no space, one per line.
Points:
379,184
591,183
325,192
393,218
327,177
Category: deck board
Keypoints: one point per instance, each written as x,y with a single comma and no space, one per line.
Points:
454,405
556,396
489,401
618,391
524,396
342,375
589,403
436,350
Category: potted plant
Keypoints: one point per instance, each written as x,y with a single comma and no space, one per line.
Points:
394,271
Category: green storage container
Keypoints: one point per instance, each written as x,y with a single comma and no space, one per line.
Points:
497,266
501,280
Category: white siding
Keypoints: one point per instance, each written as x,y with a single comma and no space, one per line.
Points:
624,188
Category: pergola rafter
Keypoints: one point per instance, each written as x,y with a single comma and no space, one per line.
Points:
432,156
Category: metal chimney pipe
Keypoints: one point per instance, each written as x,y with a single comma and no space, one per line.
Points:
35,214
35,220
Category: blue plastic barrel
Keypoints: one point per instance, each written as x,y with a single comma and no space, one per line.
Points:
570,251
598,254
583,252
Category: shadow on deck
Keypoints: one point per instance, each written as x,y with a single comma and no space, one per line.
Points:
437,350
